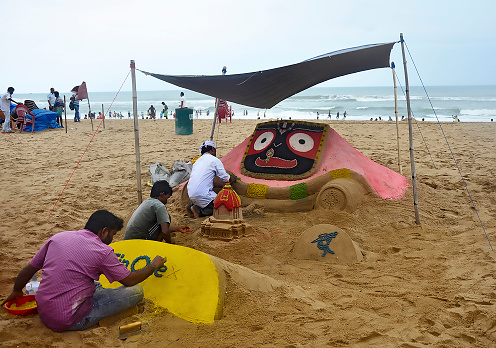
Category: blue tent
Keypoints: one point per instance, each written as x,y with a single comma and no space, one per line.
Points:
43,119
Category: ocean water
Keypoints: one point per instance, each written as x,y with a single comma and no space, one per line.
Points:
469,103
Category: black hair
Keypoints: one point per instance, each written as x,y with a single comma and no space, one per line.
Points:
10,89
101,219
206,148
56,93
182,94
159,187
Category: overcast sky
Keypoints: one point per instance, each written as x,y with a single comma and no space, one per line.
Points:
62,43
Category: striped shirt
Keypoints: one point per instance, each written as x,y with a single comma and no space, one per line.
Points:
70,262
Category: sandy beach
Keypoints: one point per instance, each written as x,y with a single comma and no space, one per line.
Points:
419,285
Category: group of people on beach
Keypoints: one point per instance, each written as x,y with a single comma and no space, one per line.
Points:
69,296
56,103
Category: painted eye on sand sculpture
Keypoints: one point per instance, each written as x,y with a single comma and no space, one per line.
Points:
263,140
304,143
300,142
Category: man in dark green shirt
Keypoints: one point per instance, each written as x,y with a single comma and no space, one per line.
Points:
151,220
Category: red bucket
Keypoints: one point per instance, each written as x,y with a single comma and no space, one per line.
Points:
19,301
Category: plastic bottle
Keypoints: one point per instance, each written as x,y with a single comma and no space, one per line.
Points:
32,286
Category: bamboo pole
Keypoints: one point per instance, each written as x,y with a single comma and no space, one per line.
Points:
224,70
396,114
65,115
410,131
103,115
89,113
136,133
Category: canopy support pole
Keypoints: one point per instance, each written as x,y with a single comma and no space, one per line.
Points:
396,114
216,112
136,134
65,116
410,131
224,70
103,116
89,113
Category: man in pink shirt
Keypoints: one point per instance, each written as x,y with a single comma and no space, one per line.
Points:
72,261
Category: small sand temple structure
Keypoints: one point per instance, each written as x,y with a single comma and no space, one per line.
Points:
227,221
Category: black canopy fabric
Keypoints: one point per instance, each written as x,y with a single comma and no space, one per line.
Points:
264,89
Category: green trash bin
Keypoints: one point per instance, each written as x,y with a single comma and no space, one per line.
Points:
184,121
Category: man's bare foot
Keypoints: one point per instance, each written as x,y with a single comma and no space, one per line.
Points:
195,213
189,212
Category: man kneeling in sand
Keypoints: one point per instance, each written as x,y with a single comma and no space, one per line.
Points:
201,181
67,297
151,220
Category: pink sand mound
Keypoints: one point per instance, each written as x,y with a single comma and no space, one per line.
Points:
338,154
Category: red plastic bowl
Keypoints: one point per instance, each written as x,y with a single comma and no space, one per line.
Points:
19,301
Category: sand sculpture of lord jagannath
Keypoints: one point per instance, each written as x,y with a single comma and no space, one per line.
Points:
290,166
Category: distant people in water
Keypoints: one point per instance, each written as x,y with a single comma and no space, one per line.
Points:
455,118
337,116
317,115
390,118
330,115
344,115
423,119
402,118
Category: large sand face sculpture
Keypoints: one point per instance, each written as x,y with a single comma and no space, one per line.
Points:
298,166
284,150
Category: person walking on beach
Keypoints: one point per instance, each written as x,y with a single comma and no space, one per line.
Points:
68,297
151,112
51,99
75,102
166,110
58,107
182,103
5,107
201,181
151,220
330,115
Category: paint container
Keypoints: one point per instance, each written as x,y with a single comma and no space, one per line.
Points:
32,286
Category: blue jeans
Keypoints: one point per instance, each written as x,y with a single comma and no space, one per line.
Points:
76,113
107,302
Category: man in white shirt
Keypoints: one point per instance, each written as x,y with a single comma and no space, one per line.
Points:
183,101
201,181
5,107
51,99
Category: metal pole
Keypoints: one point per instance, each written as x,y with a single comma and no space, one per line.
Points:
396,114
89,112
410,131
65,115
136,133
224,70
